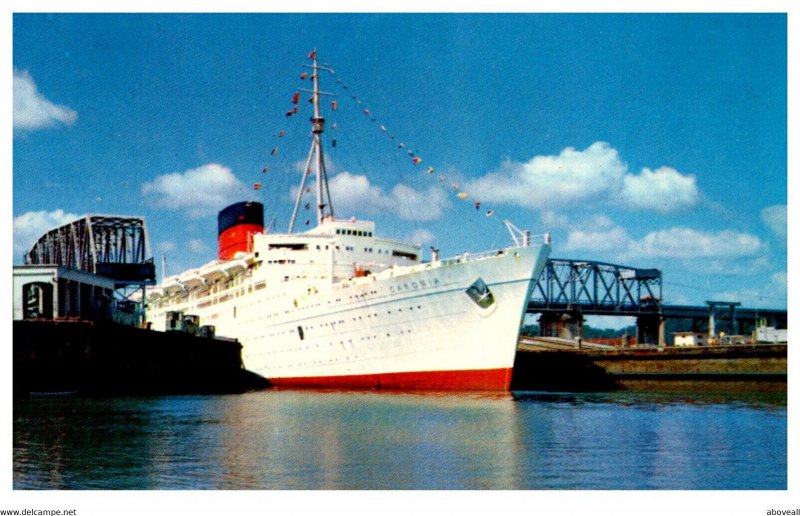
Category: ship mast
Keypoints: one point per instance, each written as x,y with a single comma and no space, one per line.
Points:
316,158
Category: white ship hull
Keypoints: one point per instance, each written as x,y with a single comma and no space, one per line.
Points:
412,327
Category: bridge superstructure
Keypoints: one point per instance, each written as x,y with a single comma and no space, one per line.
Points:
89,268
111,246
596,287
569,289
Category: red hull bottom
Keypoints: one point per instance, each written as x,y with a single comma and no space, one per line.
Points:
474,380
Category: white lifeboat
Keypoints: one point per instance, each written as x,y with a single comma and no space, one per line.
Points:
171,285
231,267
191,279
212,271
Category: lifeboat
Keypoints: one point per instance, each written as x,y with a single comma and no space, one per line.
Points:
212,271
191,279
231,267
171,285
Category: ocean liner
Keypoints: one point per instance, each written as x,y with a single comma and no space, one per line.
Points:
340,306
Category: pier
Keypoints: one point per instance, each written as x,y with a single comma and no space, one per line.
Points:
79,303
558,364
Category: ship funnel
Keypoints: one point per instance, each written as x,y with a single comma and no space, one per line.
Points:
236,224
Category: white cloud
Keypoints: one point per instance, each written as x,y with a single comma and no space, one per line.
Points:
595,175
664,190
166,246
603,221
769,295
774,217
729,266
572,176
32,110
714,252
29,226
197,246
422,237
354,193
200,191
552,219
613,239
680,242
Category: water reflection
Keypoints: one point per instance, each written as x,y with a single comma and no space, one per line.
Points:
279,439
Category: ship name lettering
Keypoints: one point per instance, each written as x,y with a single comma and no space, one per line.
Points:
414,285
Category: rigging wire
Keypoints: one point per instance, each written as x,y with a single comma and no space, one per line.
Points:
406,158
417,166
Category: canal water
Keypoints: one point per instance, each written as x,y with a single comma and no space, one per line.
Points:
654,439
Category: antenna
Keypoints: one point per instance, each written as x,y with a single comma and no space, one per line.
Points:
315,154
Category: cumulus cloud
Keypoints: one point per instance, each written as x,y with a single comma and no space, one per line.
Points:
354,193
165,246
613,239
718,251
32,110
198,192
572,176
421,237
663,190
681,242
551,219
768,295
197,246
774,217
29,226
595,175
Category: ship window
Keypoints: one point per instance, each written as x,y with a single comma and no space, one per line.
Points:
404,254
289,245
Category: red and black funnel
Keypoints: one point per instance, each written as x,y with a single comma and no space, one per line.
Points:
236,224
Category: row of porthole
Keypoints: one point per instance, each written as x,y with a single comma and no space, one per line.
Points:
364,294
340,321
341,343
316,363
376,315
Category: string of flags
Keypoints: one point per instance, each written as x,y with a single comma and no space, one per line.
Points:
415,159
412,153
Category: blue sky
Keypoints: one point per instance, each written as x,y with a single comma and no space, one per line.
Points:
650,140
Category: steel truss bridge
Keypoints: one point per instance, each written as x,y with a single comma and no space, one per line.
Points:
568,289
110,246
596,288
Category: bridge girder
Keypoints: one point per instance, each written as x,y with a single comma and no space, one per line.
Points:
108,245
596,287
